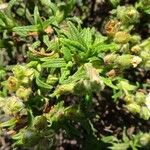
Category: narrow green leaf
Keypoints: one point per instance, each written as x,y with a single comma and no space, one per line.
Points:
42,84
102,47
24,30
67,53
8,123
54,63
75,44
76,76
108,82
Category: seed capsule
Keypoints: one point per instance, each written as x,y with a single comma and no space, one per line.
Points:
128,14
23,93
12,84
121,37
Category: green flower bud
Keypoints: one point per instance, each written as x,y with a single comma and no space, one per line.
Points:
40,122
52,80
18,71
63,89
124,61
121,37
14,106
29,72
12,84
128,14
140,98
146,45
135,39
136,49
23,93
145,55
21,72
110,58
133,108
145,113
25,81
147,65
20,11
145,139
129,99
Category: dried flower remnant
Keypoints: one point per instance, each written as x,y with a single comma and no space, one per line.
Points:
110,58
111,73
111,27
136,61
12,84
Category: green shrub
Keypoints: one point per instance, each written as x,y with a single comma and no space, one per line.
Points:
63,60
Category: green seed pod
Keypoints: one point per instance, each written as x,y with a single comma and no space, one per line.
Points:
145,113
145,139
140,98
23,93
134,108
121,37
12,84
128,14
40,122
